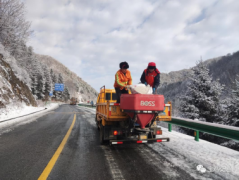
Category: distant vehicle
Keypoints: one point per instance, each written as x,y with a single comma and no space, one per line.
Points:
73,101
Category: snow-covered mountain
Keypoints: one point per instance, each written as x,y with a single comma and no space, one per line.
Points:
16,80
174,84
77,87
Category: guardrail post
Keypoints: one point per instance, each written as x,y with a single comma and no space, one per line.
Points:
196,135
169,127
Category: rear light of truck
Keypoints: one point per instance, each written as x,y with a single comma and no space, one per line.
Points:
116,132
158,132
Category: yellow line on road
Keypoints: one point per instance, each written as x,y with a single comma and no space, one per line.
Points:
54,158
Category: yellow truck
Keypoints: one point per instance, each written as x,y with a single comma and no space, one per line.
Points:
133,120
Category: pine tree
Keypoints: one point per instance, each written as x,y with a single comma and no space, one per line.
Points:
33,68
51,74
29,60
59,93
66,94
54,81
41,82
48,81
202,100
36,73
60,79
233,107
34,85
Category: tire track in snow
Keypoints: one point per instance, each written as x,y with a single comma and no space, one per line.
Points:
183,163
114,169
159,163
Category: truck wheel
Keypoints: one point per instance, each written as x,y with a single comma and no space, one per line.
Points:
97,124
101,134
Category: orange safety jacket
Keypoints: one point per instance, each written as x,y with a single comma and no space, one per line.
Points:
121,79
149,77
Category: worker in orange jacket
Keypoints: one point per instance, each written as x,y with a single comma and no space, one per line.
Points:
122,80
151,76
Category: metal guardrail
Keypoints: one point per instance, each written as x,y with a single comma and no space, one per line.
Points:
229,132
87,105
21,116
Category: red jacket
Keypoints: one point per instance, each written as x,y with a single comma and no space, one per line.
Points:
153,79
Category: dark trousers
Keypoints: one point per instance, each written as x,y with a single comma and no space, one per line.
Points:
119,92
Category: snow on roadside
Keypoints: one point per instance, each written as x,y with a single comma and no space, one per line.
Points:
183,151
12,111
19,109
11,124
202,160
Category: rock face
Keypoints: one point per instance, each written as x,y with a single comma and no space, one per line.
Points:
11,88
174,77
76,86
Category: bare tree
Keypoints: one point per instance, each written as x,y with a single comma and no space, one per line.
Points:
14,29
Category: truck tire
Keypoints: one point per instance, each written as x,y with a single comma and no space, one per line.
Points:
103,131
97,123
102,134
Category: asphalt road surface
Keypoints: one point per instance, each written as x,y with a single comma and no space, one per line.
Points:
26,150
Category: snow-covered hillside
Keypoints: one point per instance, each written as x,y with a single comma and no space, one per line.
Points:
175,84
14,89
77,87
207,92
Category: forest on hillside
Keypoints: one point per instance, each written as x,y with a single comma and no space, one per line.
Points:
27,65
14,33
209,92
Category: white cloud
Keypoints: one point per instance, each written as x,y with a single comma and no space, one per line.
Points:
93,37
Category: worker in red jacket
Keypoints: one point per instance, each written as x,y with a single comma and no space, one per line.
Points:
151,76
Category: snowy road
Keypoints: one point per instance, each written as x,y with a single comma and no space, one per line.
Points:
26,150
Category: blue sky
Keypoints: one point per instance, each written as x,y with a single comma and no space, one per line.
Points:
91,37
